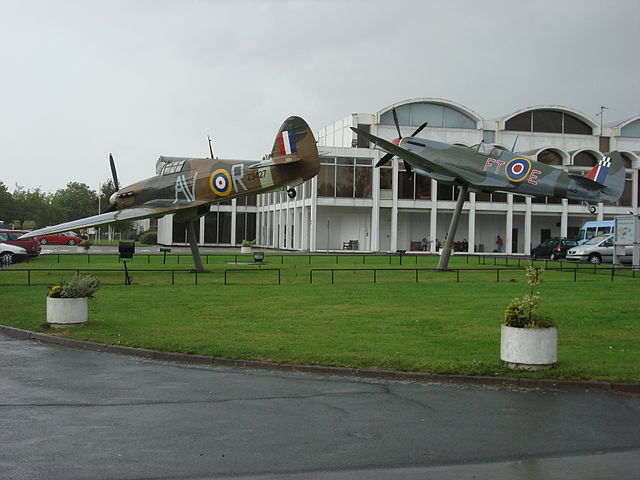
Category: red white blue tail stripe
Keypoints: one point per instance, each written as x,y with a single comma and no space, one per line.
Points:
287,142
600,171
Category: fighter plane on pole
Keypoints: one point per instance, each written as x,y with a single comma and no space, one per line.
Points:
501,171
186,186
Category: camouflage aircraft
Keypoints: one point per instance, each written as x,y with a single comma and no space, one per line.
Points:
187,186
500,170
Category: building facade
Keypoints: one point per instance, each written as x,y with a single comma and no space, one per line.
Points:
352,205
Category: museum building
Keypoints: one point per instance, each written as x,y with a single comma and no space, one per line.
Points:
350,205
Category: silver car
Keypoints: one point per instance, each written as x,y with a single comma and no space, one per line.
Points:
597,250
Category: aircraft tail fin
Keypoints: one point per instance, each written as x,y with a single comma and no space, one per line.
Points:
294,142
609,174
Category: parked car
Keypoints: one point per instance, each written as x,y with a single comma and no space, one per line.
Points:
11,253
597,250
553,248
64,238
29,244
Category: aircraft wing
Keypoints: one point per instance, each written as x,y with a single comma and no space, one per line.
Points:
125,215
422,163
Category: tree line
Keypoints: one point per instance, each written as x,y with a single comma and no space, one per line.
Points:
32,208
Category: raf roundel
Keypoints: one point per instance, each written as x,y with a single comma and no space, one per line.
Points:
220,182
517,169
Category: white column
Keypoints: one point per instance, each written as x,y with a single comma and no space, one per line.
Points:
313,227
527,227
374,235
233,221
433,230
564,218
304,222
394,209
472,223
508,235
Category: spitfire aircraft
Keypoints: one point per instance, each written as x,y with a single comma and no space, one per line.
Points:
500,170
186,186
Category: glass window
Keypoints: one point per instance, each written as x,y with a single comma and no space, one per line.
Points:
547,121
363,180
498,197
489,136
252,218
362,141
211,227
326,181
405,186
423,187
224,227
241,219
631,130
576,126
445,192
455,119
427,112
179,232
344,181
519,123
386,178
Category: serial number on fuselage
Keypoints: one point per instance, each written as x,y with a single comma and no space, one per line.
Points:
256,175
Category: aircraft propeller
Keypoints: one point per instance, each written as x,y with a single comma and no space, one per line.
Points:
396,141
114,174
116,184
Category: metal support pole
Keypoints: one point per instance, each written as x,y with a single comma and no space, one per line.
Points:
453,226
195,251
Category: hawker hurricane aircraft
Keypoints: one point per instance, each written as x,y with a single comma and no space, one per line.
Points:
500,170
186,186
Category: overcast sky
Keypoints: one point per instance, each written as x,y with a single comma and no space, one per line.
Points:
144,78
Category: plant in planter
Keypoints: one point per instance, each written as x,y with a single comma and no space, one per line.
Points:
67,303
528,339
246,246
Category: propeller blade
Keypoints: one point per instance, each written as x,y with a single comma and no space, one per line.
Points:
419,129
409,170
114,174
395,120
385,159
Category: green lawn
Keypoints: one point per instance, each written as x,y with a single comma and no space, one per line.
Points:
437,325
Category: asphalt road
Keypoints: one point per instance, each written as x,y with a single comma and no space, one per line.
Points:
76,414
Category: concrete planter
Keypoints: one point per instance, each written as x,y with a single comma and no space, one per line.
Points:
245,250
529,348
66,312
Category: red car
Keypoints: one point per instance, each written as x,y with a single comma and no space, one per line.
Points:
64,238
29,244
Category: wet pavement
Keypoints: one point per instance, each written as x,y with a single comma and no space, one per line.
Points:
76,414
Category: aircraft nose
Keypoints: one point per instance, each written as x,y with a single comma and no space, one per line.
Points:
112,198
396,141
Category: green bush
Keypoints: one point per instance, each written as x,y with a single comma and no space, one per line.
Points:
150,237
523,312
79,286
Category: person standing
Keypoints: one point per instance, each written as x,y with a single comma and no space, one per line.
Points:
499,244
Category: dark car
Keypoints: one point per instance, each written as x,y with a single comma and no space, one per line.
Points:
29,244
553,248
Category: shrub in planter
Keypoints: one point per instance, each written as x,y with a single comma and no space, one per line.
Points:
67,303
528,339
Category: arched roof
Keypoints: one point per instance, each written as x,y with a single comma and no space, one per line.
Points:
628,128
447,104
